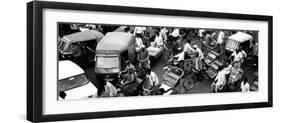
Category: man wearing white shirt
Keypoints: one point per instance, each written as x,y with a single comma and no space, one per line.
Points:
139,43
201,33
164,35
239,55
199,51
176,32
220,37
152,77
180,56
236,56
158,41
220,80
245,86
187,47
139,30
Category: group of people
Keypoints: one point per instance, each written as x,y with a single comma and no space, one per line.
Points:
180,44
138,78
232,75
133,81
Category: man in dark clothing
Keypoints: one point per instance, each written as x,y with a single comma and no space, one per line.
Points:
143,58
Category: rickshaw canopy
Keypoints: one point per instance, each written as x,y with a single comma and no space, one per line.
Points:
84,36
115,41
68,69
241,37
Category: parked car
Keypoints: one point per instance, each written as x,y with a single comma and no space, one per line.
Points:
73,83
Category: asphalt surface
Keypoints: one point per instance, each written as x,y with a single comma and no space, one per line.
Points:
203,86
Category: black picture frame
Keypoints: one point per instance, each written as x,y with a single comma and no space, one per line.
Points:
34,60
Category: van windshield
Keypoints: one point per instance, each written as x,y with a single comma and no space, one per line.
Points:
107,62
72,82
64,46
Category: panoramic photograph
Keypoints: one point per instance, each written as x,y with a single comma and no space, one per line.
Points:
102,60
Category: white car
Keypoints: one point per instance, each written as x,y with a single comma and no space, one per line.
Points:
73,83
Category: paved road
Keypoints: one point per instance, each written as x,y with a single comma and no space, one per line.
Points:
199,87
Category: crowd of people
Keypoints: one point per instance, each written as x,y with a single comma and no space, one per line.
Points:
181,45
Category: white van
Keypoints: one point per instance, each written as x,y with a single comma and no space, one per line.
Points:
73,83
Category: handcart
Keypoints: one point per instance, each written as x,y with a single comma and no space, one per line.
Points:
171,78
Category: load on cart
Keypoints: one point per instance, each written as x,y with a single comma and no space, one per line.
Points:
171,78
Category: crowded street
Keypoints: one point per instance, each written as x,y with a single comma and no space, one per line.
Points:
146,61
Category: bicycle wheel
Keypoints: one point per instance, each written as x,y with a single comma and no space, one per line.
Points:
188,83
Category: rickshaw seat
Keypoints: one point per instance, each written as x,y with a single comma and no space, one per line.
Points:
171,79
211,56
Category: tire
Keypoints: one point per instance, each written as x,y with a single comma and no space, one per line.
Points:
188,82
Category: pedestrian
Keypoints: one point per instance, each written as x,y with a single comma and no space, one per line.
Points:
129,84
129,66
143,58
198,65
200,33
199,51
140,71
208,38
148,34
139,43
175,33
108,90
235,75
235,56
180,58
127,29
255,52
220,37
152,77
158,41
139,30
245,86
187,49
163,33
220,80
151,82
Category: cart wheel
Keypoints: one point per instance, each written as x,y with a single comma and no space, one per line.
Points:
188,83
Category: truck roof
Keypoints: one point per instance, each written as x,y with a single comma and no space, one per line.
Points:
115,41
84,36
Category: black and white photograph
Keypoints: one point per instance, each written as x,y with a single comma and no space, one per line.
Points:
110,60
90,61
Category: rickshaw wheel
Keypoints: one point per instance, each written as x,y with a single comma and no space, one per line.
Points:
188,83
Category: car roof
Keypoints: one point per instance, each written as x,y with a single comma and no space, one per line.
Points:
116,41
84,36
241,37
68,69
